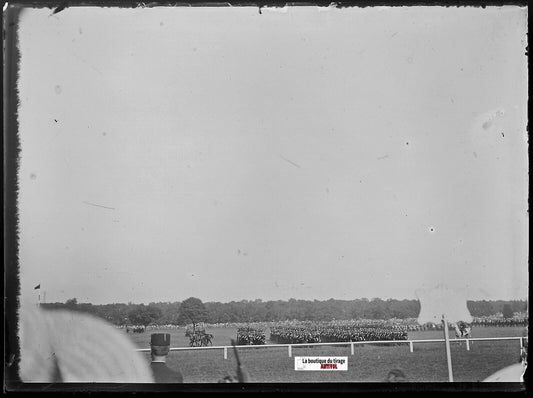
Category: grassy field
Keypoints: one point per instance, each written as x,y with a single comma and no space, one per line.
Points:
368,364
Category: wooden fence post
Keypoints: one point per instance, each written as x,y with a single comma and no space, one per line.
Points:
225,352
467,345
351,348
447,346
411,346
290,350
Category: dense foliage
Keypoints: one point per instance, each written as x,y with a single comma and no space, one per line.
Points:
192,311
144,315
273,311
249,335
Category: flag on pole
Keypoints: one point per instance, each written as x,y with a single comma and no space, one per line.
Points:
37,287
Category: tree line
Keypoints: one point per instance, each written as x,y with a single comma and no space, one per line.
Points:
194,310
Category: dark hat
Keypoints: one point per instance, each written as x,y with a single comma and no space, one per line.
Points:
160,339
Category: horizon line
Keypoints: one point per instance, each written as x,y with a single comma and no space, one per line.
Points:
277,300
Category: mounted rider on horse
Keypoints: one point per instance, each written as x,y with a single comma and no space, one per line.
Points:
462,330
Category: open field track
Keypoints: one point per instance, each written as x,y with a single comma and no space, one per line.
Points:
368,364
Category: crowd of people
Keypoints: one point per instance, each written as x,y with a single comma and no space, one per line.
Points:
66,346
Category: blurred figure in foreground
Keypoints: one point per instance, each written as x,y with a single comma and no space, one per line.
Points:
513,373
228,379
395,376
160,347
523,351
66,346
516,372
242,374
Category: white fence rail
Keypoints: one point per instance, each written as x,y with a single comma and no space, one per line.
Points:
345,343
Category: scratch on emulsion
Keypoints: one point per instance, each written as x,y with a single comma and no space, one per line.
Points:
94,204
289,161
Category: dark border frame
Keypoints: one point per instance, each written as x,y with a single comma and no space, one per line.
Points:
12,383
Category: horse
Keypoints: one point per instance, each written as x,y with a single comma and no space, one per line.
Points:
199,338
193,337
207,340
462,331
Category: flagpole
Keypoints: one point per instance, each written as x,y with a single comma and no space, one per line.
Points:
38,287
448,352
